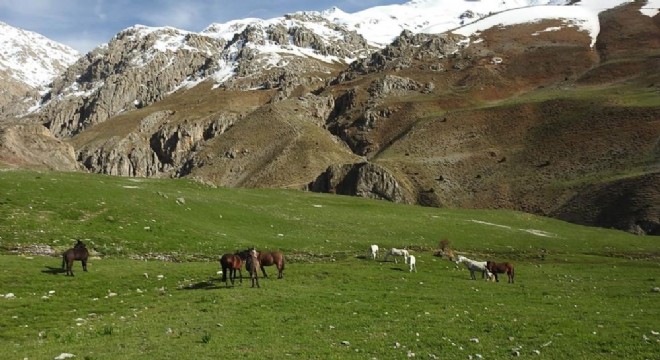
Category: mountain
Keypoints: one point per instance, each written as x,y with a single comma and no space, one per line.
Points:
547,107
29,62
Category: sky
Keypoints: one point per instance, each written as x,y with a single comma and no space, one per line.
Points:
84,24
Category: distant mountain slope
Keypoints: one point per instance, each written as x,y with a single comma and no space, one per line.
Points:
28,63
539,106
31,58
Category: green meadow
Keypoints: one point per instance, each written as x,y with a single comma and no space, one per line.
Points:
153,290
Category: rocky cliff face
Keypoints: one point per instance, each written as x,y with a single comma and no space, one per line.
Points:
158,147
138,67
361,179
26,146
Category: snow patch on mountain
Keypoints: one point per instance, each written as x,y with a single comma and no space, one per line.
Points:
31,58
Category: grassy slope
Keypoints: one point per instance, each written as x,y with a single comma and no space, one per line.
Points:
329,294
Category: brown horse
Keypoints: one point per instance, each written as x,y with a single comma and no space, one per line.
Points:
230,263
500,268
267,258
252,264
77,252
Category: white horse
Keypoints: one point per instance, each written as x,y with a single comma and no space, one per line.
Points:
412,263
398,252
474,266
373,251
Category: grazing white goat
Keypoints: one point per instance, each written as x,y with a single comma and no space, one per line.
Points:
412,263
473,266
373,251
398,252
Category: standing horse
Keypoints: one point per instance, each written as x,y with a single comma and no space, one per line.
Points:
267,258
500,268
77,252
412,262
252,264
230,263
398,252
473,266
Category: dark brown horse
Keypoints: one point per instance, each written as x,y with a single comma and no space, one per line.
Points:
77,252
252,264
229,264
500,268
267,258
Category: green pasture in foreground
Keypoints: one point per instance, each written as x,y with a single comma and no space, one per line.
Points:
591,297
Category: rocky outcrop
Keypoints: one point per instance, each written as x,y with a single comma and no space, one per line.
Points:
403,51
25,145
156,148
363,179
137,68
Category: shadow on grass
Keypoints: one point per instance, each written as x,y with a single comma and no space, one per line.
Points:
53,270
210,284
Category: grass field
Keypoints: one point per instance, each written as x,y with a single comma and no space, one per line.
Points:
591,297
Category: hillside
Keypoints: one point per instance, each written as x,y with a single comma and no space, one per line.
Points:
552,115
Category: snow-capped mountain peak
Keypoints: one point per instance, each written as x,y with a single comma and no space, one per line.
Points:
31,58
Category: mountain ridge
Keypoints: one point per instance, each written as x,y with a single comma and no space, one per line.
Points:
443,119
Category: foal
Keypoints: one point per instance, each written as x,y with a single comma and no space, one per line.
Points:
252,265
77,252
373,251
412,263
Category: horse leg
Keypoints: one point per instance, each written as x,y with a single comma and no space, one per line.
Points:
280,271
224,273
84,263
69,267
263,270
240,276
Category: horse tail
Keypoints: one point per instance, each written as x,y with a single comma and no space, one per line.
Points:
63,261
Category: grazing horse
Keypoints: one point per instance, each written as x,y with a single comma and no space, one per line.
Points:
77,252
398,252
268,258
473,266
252,264
412,262
500,268
230,263
373,251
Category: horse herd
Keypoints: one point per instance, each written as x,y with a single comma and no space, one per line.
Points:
254,260
488,269
229,263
